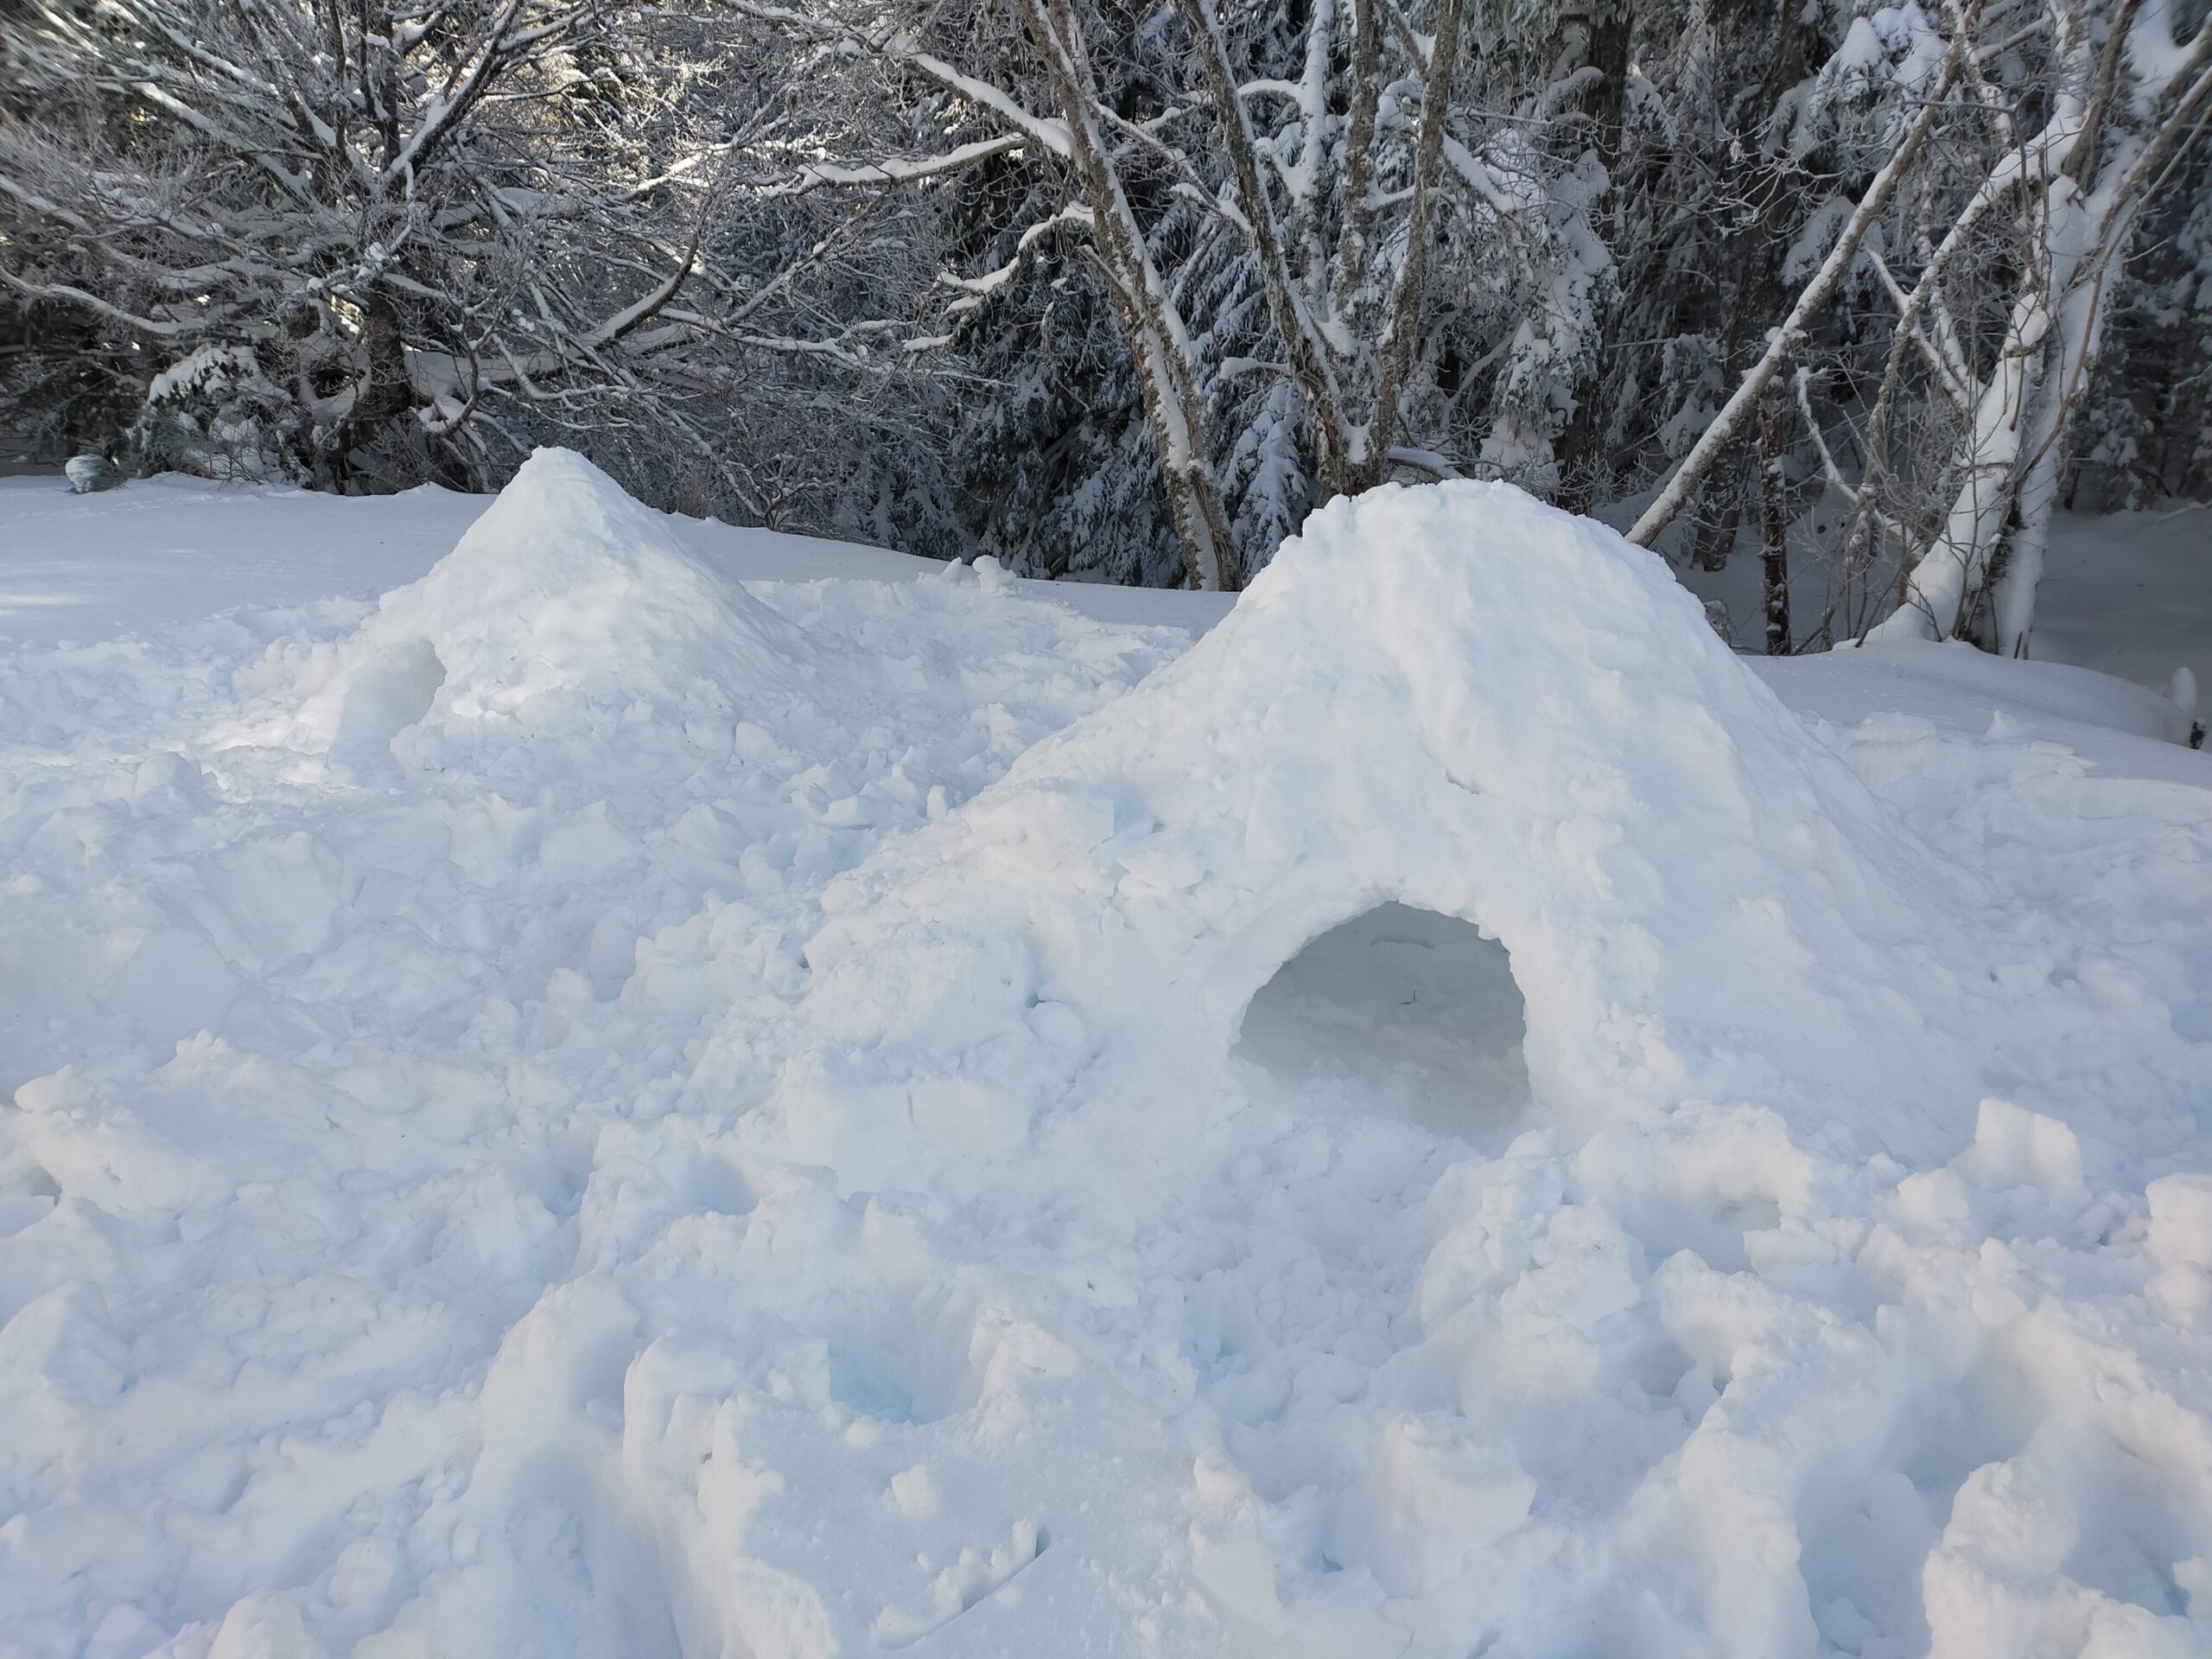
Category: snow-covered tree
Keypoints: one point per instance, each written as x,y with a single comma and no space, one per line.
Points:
2021,144
374,242
2066,180
1338,240
1123,291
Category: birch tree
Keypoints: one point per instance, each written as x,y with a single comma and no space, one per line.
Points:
2020,173
2072,188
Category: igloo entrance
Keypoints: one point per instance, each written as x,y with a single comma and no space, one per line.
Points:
1401,1012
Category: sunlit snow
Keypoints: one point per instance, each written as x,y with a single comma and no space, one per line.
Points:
616,1099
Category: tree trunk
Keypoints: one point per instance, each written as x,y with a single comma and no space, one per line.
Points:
383,392
1294,324
1774,521
1159,344
1397,351
1716,533
1583,474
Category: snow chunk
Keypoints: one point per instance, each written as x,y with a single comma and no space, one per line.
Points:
2014,1147
2181,1219
2180,1242
1428,1501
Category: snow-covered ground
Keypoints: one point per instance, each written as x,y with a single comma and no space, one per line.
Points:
2127,594
627,1100
85,568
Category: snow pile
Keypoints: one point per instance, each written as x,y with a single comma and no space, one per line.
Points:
565,593
601,1108
1459,699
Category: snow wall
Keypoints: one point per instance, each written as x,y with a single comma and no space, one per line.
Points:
1459,699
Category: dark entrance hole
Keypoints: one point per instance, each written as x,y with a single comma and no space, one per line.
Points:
1399,1012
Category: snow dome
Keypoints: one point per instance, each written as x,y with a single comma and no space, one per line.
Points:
1450,699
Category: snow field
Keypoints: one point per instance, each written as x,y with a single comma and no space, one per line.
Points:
596,1109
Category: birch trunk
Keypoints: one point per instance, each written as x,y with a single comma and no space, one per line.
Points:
1372,453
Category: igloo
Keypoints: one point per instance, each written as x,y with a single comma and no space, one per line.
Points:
567,611
1451,698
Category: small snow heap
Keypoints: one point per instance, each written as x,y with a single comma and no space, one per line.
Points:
89,472
1461,700
565,594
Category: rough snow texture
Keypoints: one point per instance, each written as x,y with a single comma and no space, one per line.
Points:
596,1109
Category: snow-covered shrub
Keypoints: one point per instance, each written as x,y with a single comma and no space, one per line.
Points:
214,412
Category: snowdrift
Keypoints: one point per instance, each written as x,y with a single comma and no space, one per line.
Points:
601,1108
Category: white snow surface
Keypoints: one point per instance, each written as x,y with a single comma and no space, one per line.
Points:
173,549
600,1108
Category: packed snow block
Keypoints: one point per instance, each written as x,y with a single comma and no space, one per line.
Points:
570,610
1462,700
2180,1242
2181,1219
2015,1148
1431,1495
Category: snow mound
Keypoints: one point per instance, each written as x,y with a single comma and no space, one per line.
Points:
1456,699
565,592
